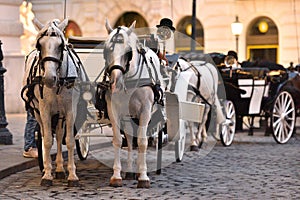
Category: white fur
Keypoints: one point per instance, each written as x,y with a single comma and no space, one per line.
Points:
208,89
64,103
136,102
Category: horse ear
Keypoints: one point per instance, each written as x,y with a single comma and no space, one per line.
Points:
37,24
108,26
132,27
63,24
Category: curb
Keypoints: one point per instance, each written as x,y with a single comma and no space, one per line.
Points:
33,162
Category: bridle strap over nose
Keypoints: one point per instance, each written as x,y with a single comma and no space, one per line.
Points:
53,59
124,71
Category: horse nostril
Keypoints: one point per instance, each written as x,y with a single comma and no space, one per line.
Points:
54,79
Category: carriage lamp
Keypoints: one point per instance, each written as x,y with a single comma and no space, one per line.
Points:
164,33
87,96
236,29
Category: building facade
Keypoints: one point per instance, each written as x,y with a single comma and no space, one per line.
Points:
271,28
11,30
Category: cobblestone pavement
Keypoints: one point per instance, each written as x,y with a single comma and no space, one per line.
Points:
253,169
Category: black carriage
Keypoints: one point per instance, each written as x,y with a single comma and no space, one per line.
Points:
264,90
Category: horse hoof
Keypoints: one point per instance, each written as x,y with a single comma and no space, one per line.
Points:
60,175
200,144
115,183
130,176
143,184
46,182
73,183
194,148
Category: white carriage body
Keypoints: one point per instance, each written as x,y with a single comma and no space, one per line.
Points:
179,110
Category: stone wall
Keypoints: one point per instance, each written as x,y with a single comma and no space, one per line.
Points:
10,33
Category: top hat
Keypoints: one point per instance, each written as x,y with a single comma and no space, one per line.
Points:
166,22
233,54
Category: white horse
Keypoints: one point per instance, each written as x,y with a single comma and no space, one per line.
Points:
203,86
127,63
50,75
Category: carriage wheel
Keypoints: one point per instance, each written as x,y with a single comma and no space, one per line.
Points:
180,147
39,145
283,117
228,128
83,143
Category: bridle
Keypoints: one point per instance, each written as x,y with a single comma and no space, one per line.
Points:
42,60
117,38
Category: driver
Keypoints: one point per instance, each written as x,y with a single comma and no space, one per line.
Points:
163,32
231,60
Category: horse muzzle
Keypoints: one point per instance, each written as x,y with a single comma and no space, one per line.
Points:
116,81
50,81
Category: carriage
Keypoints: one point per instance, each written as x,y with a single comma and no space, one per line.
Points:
263,90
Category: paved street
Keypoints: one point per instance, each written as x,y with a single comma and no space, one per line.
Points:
252,168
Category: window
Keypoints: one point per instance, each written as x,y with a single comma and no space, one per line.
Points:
72,29
183,37
262,40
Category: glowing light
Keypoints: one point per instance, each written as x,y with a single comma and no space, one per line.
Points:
188,29
263,26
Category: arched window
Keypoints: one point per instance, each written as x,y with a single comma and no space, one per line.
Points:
72,29
262,40
183,38
127,18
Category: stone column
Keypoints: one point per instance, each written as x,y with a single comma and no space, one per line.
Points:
10,33
5,135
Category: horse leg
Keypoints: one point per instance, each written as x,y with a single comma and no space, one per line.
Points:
47,138
194,146
202,133
116,179
130,175
59,172
143,180
73,180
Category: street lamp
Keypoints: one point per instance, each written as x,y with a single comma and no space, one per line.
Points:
236,29
5,135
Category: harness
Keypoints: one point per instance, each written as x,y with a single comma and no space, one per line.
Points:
36,69
193,88
153,80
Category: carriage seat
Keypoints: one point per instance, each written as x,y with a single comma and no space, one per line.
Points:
257,72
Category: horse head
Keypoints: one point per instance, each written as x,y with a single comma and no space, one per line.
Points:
50,44
118,52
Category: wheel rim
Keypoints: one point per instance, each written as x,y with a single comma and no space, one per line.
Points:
283,117
228,129
84,144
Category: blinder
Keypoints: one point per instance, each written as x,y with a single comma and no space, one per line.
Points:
118,39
